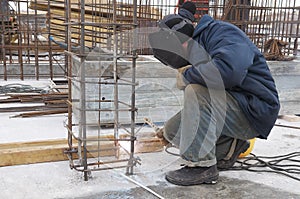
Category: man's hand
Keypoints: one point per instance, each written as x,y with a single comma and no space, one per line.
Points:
181,83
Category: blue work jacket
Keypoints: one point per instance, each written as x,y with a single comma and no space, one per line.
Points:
242,68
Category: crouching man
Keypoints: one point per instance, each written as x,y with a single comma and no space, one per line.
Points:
229,98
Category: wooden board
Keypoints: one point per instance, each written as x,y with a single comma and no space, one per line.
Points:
101,8
95,12
53,150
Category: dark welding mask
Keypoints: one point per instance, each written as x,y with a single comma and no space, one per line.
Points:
166,43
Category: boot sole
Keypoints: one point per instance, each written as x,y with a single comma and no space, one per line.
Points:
210,180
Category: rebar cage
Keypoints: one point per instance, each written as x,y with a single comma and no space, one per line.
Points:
97,62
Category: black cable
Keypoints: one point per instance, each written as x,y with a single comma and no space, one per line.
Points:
273,165
169,152
253,163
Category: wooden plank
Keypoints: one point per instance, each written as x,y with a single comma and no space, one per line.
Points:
96,12
24,108
39,151
290,118
102,8
53,150
41,113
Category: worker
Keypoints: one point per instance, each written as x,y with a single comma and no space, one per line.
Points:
229,98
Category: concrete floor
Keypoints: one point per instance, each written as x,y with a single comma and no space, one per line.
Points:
57,180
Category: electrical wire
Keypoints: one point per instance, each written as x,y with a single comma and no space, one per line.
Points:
286,164
169,152
281,164
276,164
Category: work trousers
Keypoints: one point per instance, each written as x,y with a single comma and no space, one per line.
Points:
207,125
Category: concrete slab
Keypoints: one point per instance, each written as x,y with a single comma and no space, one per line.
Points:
57,180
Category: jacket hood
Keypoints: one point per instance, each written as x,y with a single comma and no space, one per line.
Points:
202,24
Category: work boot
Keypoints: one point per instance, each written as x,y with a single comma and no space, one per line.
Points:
241,147
187,176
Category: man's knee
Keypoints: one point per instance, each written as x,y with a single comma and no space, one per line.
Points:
196,90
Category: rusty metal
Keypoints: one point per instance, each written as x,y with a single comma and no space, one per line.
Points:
90,31
26,51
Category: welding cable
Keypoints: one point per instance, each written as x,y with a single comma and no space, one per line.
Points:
275,165
169,152
253,163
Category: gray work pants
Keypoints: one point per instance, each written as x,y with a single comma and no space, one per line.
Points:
206,126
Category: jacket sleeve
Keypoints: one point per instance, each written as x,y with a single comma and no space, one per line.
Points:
229,56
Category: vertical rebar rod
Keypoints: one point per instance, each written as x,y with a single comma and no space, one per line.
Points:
274,24
289,26
297,34
281,26
20,42
3,56
49,42
83,89
69,71
134,40
28,36
99,119
115,74
266,27
260,26
2,15
36,48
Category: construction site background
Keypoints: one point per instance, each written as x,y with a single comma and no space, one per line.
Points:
29,29
102,74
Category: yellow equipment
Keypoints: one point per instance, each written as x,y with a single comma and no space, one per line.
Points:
248,151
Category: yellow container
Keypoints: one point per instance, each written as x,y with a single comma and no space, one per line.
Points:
248,151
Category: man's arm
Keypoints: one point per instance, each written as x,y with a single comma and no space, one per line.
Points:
228,58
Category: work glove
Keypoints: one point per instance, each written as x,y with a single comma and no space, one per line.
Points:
181,82
160,135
